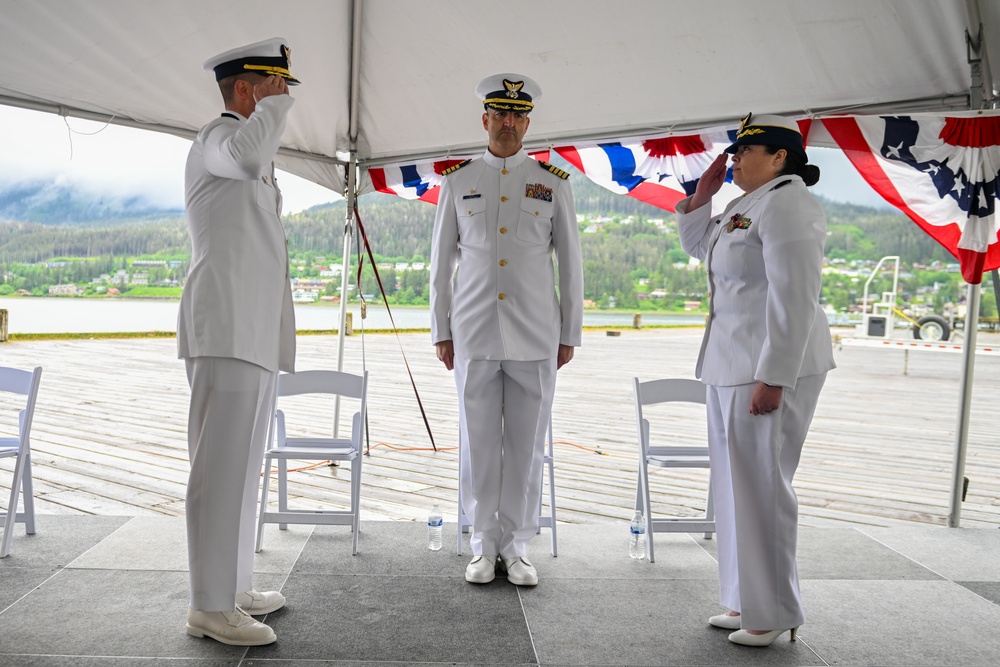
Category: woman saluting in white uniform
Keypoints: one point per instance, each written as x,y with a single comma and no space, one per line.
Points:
764,359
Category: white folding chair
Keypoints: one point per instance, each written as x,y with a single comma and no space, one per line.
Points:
284,448
544,520
668,456
22,384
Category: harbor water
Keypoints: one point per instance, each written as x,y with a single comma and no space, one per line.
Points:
36,315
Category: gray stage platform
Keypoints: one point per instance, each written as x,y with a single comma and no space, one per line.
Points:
107,590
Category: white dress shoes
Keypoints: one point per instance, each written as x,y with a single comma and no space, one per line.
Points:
726,622
520,571
235,628
258,603
746,639
481,570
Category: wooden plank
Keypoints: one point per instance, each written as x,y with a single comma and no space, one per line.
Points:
110,431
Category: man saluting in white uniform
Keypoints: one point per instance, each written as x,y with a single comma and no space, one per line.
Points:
236,330
498,321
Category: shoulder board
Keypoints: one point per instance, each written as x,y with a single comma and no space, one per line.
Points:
781,185
555,170
455,167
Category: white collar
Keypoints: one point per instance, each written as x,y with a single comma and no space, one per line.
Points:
511,162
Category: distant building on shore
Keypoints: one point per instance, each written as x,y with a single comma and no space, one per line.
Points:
64,290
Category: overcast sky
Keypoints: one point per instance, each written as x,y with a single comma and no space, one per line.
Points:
117,160
120,160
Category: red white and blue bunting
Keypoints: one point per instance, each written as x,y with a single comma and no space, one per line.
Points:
941,171
419,180
660,171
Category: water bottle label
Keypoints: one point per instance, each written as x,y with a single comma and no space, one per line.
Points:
434,523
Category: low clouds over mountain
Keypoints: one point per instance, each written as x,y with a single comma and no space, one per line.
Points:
61,203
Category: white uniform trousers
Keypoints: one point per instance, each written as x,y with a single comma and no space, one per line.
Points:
231,408
504,409
756,510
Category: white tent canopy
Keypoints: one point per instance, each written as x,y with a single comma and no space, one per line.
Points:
387,81
394,80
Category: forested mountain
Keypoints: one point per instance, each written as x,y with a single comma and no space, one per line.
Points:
630,244
400,228
863,232
29,243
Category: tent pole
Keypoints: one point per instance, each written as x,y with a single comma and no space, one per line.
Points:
355,89
345,272
964,405
981,70
352,194
977,100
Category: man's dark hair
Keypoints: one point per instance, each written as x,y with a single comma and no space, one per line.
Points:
227,85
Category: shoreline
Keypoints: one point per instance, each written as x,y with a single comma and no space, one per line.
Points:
124,335
354,304
837,332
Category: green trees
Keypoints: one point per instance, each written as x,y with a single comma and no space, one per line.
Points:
631,252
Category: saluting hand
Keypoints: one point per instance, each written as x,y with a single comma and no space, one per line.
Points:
710,182
272,85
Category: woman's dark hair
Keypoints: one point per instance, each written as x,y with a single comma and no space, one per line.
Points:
796,165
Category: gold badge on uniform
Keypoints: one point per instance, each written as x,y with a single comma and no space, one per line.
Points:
738,222
538,191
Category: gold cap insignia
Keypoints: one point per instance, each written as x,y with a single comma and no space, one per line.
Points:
513,88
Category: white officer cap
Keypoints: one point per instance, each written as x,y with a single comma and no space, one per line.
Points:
508,92
271,56
770,130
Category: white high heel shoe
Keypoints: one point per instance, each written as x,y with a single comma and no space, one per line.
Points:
725,621
746,639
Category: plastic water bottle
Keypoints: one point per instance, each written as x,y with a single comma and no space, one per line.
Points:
637,537
434,523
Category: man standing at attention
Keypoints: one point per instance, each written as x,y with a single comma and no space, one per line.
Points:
236,330
498,321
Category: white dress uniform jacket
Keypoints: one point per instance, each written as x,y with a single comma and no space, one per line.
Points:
763,256
499,220
237,302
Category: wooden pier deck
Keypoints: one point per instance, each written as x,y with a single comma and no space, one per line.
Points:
109,435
